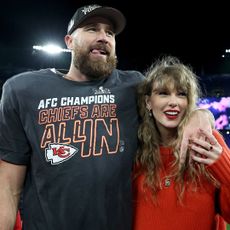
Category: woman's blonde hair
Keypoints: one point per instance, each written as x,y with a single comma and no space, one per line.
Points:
165,72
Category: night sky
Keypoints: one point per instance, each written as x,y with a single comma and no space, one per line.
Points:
196,34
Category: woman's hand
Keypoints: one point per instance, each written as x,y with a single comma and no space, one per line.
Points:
205,151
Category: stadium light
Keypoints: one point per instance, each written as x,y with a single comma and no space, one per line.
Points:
51,49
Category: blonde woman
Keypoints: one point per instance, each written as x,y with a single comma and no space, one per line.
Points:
168,195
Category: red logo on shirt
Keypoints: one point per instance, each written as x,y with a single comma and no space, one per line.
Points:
58,153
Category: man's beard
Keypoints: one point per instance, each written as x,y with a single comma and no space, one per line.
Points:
93,69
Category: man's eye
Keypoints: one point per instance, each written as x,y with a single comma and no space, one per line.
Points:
91,29
110,33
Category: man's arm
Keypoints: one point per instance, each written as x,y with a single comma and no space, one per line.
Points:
199,119
11,184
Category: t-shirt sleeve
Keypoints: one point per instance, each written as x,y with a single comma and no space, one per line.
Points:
14,146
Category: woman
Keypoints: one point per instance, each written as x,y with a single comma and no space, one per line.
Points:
168,195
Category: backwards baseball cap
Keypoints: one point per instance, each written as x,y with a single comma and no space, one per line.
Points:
115,16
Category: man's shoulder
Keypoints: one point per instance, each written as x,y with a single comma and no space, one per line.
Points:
31,73
129,75
30,76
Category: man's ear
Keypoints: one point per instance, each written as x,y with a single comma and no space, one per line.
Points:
69,41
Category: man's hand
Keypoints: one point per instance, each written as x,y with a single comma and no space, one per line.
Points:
199,119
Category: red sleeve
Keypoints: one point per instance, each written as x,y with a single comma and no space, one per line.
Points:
221,171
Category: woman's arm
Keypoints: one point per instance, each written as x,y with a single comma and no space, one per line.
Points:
214,152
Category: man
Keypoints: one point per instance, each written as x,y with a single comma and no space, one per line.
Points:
68,140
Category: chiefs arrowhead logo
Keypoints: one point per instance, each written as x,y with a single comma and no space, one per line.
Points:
58,153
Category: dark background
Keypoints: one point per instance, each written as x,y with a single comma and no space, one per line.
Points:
196,34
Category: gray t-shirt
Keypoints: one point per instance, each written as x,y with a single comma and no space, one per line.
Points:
78,140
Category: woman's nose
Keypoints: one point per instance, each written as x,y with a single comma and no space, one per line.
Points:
173,102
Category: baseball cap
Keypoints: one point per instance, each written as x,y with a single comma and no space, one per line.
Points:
115,16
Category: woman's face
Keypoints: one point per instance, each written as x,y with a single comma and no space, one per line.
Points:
168,106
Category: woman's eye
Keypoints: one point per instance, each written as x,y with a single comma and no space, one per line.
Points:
162,93
182,94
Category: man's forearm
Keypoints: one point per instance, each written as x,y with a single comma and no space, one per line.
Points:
8,209
11,185
207,114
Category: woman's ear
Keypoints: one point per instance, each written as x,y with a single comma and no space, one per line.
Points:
147,102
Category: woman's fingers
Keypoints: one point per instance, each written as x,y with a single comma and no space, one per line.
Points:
206,151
